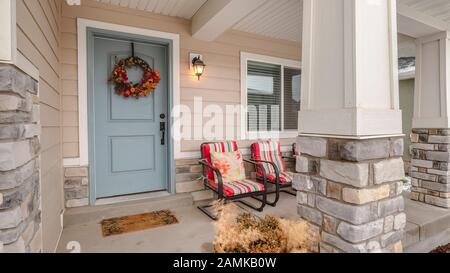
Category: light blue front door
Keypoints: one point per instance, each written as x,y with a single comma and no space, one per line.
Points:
130,151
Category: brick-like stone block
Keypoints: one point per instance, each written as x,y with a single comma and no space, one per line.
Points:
334,190
15,154
14,178
186,177
388,223
424,176
76,172
438,156
437,201
182,169
184,162
363,196
310,214
357,234
439,139
388,171
354,174
391,238
422,146
302,198
189,186
438,172
73,182
365,150
329,224
400,221
10,218
390,206
435,186
343,245
10,102
356,215
14,80
303,165
73,203
422,163
76,193
397,147
313,146
303,182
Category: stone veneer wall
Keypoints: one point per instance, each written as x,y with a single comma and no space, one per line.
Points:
20,213
430,166
187,174
350,191
76,186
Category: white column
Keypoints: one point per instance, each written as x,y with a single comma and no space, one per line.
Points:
431,107
350,76
350,169
431,124
7,33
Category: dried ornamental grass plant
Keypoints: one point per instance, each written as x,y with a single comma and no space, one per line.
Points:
238,232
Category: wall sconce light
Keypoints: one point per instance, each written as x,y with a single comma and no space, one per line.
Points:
198,65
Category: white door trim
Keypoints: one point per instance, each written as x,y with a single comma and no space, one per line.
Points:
83,25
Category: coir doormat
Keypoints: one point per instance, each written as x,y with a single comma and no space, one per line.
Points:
131,223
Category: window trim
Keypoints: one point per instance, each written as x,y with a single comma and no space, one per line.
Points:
245,57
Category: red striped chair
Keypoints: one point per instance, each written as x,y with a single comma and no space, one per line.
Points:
232,190
271,165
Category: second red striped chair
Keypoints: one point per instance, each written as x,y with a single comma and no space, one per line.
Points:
229,186
271,163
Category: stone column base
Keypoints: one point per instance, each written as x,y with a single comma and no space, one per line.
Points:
350,191
430,166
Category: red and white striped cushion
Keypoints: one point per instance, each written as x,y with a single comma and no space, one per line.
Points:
268,151
234,188
206,149
285,177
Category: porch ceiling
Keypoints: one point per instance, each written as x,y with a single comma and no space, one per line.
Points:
177,8
274,18
282,19
439,9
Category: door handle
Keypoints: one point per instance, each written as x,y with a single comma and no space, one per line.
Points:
162,129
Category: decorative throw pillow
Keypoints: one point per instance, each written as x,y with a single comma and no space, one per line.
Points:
230,164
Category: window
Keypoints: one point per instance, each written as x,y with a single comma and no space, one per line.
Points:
263,96
271,91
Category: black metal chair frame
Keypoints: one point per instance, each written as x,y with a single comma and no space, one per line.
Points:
219,191
279,187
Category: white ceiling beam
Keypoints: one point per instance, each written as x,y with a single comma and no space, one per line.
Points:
418,24
217,16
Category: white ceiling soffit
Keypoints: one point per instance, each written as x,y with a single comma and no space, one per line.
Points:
177,8
217,16
280,19
418,18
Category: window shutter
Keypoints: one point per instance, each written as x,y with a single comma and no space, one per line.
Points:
292,83
263,96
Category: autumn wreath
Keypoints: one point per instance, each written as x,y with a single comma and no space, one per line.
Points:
124,87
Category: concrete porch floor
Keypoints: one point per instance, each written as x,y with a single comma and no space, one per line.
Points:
427,227
194,233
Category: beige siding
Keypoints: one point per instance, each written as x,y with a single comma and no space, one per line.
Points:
222,77
38,39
